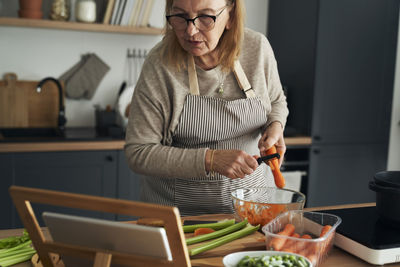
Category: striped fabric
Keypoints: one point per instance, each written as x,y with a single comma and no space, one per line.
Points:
217,124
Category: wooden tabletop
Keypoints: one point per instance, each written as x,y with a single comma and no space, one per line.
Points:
337,256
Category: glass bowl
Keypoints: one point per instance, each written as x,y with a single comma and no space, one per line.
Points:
261,205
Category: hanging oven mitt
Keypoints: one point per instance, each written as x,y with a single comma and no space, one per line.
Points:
82,80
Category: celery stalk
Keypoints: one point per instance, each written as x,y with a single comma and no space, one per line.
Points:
4,251
216,234
15,249
215,226
22,258
17,255
13,241
16,252
249,229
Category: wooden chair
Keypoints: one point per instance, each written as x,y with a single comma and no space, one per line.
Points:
23,197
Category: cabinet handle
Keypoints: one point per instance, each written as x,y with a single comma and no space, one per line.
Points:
109,158
316,151
317,138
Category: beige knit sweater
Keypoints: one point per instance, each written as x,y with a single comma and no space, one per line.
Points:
159,97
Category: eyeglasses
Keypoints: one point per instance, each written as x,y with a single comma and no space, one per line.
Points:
202,22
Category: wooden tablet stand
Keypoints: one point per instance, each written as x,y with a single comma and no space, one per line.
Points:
23,196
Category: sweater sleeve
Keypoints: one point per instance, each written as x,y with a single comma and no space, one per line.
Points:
147,150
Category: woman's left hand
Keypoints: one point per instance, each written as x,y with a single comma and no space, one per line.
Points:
273,135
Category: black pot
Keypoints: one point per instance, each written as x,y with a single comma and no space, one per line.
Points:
387,202
388,178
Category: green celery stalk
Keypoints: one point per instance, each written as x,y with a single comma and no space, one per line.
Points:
249,229
16,249
216,234
16,252
215,226
15,260
17,255
12,241
7,250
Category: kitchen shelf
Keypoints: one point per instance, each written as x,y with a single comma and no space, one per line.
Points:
77,26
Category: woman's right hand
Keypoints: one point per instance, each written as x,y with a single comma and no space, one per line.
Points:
230,163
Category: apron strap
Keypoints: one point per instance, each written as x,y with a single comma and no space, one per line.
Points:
193,82
242,80
237,70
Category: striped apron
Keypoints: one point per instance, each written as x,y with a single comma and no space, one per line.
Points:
217,124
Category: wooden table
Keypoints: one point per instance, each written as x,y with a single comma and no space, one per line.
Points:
337,256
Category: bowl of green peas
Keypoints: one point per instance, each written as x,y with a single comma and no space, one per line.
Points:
264,258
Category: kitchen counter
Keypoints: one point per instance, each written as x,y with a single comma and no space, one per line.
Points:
77,139
337,256
73,139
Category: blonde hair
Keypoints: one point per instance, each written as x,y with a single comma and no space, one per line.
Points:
229,44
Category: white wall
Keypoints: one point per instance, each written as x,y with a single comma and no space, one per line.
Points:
37,53
257,14
394,143
34,54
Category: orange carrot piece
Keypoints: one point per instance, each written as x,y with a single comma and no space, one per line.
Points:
325,229
306,236
254,216
314,249
302,245
274,165
202,231
290,245
322,247
276,242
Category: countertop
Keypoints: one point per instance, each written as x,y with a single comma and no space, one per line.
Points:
337,256
86,138
73,139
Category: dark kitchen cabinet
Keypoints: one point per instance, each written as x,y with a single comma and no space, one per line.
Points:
354,72
337,61
128,183
6,205
86,172
99,173
340,173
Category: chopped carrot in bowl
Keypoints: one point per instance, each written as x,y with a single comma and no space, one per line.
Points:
261,205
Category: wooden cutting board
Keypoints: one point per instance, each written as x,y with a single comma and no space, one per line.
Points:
255,241
21,106
213,257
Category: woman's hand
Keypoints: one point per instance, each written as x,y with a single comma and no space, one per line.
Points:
230,163
273,135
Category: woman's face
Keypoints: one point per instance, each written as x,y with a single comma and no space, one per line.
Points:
198,42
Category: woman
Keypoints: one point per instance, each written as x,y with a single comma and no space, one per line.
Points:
207,103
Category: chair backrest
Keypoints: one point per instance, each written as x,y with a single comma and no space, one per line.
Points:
24,196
